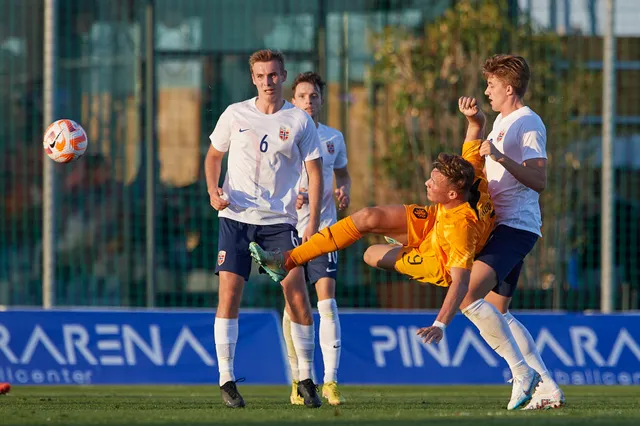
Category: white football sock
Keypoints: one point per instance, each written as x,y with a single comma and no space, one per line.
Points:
529,350
495,331
303,337
225,334
329,338
291,350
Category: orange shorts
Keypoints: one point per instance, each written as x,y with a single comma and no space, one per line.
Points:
418,259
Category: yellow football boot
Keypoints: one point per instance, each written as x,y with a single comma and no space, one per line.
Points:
296,398
331,393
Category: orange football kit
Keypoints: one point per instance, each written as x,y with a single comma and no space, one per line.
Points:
439,239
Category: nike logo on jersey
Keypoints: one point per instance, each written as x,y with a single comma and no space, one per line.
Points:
243,130
331,270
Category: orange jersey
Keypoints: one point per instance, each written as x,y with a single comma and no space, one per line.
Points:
441,239
480,199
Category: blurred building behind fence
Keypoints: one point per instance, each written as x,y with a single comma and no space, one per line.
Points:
201,50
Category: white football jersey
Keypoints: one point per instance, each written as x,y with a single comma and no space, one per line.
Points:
266,153
334,156
521,136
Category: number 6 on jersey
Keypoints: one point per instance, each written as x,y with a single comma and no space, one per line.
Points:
264,145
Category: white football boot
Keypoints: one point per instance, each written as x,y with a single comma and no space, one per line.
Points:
523,388
546,397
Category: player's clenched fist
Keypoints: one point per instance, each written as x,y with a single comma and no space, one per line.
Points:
218,199
469,107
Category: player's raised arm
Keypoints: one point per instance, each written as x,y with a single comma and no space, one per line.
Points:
468,106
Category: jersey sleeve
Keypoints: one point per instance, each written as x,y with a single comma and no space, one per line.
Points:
462,241
221,135
534,141
309,143
471,153
341,155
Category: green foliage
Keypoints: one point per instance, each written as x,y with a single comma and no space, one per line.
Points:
425,72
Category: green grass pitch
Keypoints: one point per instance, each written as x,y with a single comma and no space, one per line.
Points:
269,405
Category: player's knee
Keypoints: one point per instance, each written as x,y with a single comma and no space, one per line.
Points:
372,257
483,280
295,293
367,219
300,309
467,300
326,288
228,307
369,257
472,296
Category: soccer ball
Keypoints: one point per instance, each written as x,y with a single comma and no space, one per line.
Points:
64,141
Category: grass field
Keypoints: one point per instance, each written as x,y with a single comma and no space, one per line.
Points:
370,405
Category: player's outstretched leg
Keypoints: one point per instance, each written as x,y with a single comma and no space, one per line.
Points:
377,220
338,236
277,264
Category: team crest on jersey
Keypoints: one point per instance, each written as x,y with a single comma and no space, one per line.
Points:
501,135
331,147
284,133
222,255
419,212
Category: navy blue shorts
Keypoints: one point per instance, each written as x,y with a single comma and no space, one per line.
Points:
325,266
505,252
234,238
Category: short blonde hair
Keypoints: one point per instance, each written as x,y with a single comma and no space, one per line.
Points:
266,55
511,69
459,172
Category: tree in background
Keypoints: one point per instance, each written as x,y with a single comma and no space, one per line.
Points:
423,73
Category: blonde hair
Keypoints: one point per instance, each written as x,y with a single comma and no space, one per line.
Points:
266,55
459,172
510,69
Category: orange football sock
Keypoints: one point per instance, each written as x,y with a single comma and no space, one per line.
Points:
336,237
